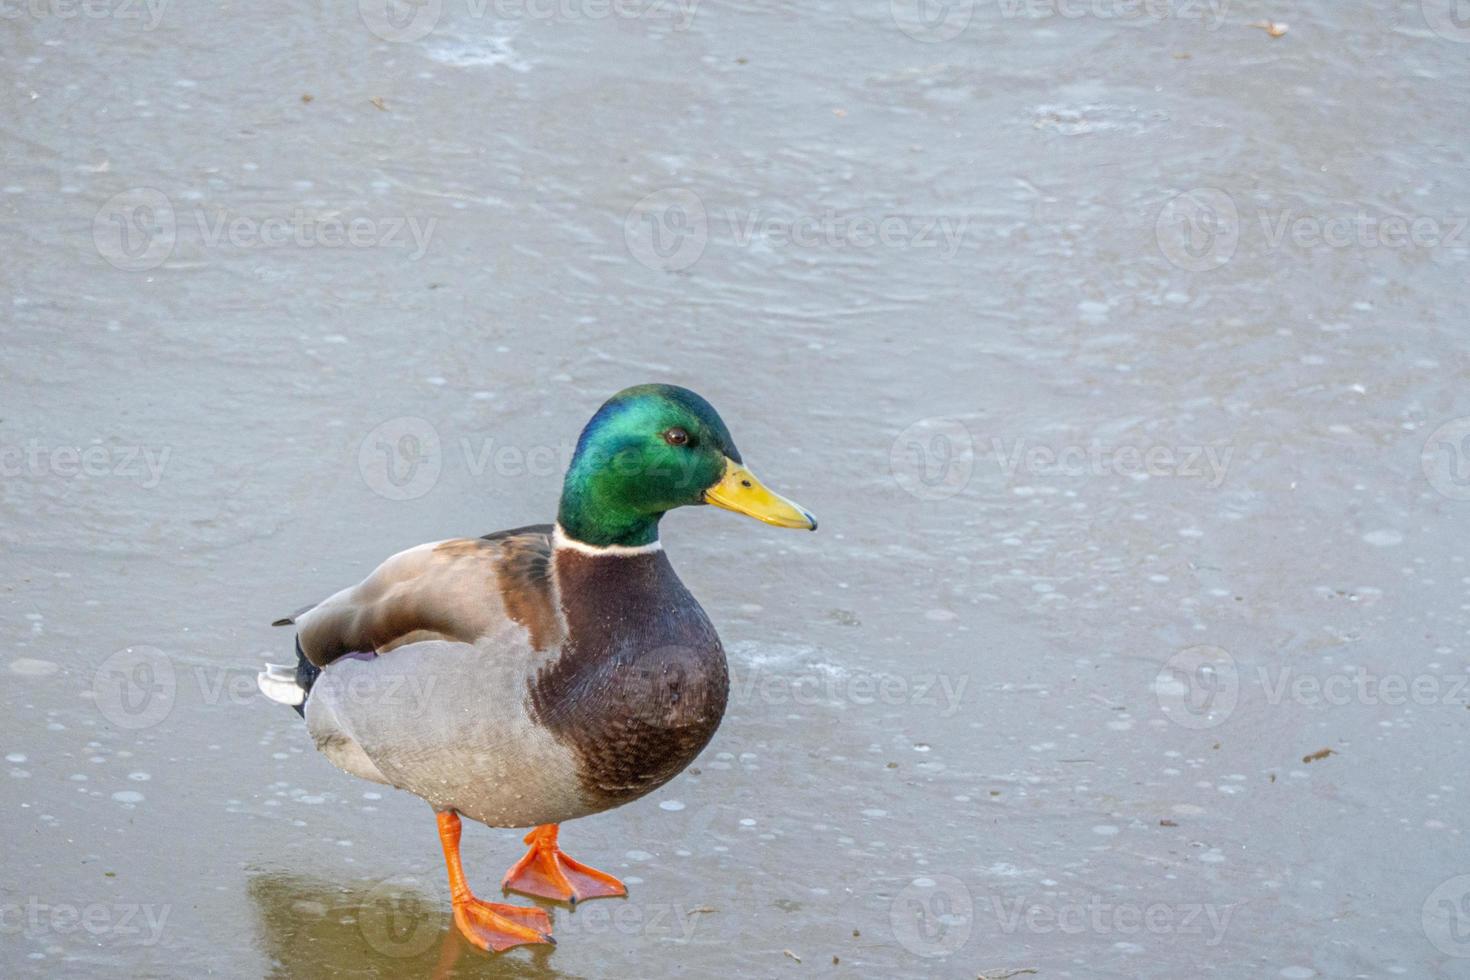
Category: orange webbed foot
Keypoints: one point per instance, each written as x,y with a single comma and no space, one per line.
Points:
546,872
489,925
495,927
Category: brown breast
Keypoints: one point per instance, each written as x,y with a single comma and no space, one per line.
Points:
641,684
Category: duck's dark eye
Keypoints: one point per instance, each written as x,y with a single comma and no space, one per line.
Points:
676,437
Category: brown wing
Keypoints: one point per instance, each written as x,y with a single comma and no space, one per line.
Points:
461,589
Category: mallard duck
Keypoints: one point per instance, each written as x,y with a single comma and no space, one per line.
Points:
540,674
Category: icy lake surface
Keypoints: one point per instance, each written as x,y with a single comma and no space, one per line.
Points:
1121,350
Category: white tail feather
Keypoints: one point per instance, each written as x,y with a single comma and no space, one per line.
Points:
279,684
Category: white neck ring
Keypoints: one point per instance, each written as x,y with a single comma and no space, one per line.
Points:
560,539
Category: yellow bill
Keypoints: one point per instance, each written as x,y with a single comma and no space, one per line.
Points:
740,491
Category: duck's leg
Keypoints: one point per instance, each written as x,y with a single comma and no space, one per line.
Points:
488,925
548,873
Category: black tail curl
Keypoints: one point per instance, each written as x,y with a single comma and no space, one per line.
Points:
306,675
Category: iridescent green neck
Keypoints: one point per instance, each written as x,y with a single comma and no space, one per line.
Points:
590,514
647,450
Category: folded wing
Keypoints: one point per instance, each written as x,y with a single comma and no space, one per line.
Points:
463,589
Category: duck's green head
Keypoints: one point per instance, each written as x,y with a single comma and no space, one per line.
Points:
650,449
